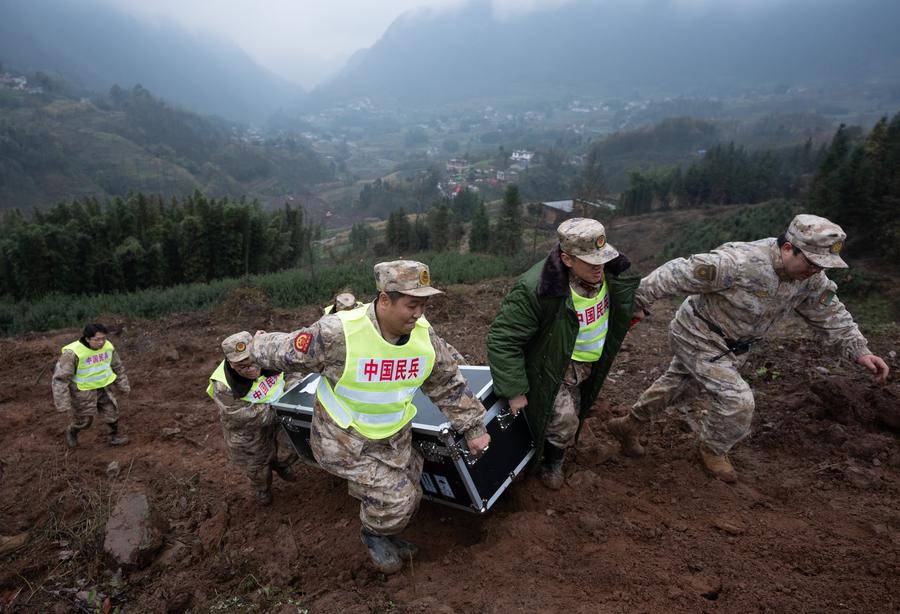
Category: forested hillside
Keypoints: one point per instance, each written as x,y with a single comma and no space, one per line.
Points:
98,44
58,144
858,186
89,247
854,180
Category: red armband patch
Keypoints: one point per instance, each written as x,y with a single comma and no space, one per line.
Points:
301,342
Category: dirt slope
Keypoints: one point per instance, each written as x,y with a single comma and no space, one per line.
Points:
814,524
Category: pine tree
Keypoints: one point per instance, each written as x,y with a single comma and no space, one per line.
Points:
480,234
507,236
399,232
439,227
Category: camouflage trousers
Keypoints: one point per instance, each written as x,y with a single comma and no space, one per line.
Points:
731,407
564,422
384,474
257,447
89,403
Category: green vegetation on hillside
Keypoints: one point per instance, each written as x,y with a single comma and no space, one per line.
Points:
54,147
746,224
858,186
283,289
88,247
724,175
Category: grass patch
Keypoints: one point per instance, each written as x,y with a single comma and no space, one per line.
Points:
871,298
748,224
285,289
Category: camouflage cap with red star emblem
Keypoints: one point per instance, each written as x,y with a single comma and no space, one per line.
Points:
237,346
585,239
820,240
405,276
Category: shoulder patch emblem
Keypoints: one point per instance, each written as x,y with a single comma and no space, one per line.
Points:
302,341
761,294
826,297
705,272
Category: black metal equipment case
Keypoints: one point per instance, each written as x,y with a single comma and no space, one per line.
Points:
450,475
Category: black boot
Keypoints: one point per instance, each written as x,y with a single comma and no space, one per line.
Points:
285,473
382,551
114,438
552,475
72,437
263,497
406,550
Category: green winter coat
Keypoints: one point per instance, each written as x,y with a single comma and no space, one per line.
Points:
531,339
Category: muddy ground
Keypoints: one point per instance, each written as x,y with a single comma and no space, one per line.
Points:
813,525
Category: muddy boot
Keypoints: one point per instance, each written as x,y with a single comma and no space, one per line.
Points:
627,429
406,550
718,465
114,438
72,437
552,475
285,473
263,497
382,551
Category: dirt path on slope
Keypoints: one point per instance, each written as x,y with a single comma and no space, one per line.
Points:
814,524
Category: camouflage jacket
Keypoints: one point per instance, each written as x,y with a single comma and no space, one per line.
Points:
236,413
742,288
64,389
321,348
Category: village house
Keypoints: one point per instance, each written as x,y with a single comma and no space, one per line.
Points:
553,213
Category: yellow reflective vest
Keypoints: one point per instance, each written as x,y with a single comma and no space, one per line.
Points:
593,322
94,366
374,393
265,388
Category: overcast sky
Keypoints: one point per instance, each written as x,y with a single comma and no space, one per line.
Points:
306,41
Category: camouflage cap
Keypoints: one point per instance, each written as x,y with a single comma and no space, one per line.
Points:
585,239
237,346
344,301
406,276
820,240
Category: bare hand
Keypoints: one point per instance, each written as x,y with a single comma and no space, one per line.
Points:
517,404
637,315
479,445
876,366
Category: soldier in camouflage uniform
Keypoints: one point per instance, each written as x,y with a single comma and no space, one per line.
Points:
556,334
738,292
81,384
372,359
242,392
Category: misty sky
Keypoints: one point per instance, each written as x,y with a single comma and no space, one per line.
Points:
306,41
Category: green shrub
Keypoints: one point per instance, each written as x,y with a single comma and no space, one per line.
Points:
748,224
284,289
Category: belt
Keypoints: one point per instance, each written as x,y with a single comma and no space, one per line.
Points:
735,346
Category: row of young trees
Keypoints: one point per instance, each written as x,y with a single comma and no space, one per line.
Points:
88,246
857,185
443,227
725,175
